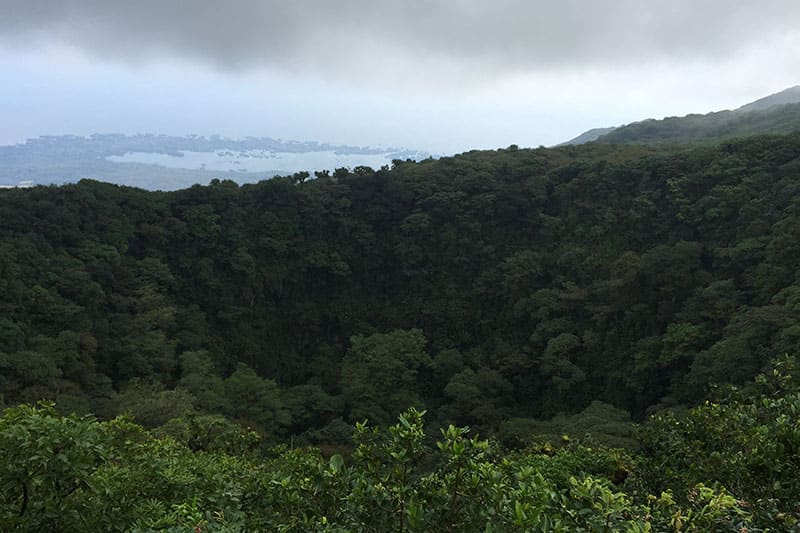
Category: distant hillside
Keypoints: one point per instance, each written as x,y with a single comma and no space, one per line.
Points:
589,136
712,127
788,96
774,114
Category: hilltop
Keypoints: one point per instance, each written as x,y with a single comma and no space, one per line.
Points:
777,113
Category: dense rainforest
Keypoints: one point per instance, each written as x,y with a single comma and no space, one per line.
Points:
536,296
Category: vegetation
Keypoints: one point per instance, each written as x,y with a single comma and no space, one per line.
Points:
727,466
536,296
711,127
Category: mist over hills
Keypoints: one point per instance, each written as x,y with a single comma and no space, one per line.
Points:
163,162
776,113
589,136
787,96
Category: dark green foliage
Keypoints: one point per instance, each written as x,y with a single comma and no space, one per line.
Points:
48,462
214,433
599,422
150,405
748,442
485,287
384,372
256,400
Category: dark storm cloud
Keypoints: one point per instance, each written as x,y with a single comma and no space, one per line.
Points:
498,36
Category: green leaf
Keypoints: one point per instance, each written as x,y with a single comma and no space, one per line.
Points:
336,462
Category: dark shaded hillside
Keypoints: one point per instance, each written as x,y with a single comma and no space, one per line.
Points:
486,286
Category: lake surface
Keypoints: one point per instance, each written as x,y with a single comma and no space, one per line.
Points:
257,160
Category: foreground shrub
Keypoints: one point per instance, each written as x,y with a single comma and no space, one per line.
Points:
79,474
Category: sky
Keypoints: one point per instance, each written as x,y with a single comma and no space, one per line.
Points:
435,75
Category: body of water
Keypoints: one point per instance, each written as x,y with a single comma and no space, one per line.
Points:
256,160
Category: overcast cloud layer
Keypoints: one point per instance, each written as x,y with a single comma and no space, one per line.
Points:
434,75
343,36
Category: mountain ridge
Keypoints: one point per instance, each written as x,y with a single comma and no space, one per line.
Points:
758,116
786,96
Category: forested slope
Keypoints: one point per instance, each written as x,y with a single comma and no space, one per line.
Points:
491,285
526,293
712,127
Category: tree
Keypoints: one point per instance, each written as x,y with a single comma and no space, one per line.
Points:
201,380
151,404
747,440
256,400
48,462
384,373
562,375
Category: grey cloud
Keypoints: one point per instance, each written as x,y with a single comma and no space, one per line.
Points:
346,37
